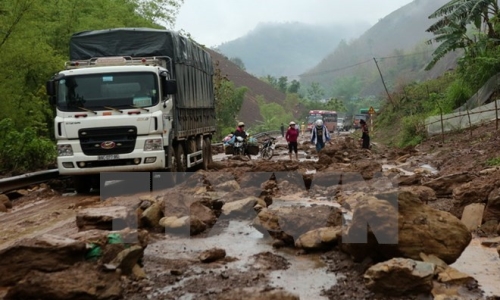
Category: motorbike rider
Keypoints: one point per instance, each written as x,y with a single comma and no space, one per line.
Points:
240,131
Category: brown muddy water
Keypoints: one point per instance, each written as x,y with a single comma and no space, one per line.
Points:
305,276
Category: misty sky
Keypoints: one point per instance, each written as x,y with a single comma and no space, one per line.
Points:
212,22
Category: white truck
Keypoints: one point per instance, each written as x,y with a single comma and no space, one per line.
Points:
132,99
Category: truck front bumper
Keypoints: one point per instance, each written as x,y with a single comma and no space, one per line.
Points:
136,161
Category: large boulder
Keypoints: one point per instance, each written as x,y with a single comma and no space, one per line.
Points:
46,253
400,276
289,223
444,185
420,228
83,281
492,210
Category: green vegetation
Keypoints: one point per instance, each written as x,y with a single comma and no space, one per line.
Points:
493,162
23,150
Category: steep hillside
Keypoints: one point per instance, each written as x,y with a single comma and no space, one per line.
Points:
398,43
288,49
250,111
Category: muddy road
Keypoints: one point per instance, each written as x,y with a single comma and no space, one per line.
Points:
255,229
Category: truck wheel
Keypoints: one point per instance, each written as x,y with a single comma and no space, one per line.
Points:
207,152
180,157
83,184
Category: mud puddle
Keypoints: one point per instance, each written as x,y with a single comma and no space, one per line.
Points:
483,264
305,275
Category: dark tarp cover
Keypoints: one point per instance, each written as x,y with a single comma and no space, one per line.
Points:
193,67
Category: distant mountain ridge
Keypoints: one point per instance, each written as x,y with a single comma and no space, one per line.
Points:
393,38
288,49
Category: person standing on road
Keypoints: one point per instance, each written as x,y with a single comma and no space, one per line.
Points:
282,130
320,135
303,129
292,134
365,137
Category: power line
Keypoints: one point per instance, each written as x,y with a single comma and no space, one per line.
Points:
346,67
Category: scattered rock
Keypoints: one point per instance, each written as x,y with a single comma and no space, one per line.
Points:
473,215
152,215
400,276
243,207
5,201
212,255
81,281
106,218
444,185
127,259
46,253
319,238
3,208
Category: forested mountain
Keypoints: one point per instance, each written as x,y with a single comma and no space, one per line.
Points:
288,49
398,42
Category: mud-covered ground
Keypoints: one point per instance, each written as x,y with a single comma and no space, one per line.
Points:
255,266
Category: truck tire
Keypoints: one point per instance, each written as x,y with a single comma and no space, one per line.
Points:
180,157
83,184
207,152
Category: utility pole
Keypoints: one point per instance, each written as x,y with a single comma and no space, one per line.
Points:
383,82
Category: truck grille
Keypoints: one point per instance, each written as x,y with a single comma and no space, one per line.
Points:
108,140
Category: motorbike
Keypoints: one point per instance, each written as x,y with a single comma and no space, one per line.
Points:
267,150
239,146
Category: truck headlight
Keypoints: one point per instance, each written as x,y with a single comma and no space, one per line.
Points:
153,145
64,150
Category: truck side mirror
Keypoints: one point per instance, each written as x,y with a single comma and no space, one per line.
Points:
169,87
51,91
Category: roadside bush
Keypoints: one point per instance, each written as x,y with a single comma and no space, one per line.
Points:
413,131
23,151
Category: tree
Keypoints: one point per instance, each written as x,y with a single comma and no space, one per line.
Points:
315,92
283,84
237,61
456,16
294,87
228,102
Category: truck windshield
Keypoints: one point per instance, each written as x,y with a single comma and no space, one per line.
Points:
138,89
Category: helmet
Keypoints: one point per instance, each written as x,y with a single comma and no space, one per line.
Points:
292,123
319,122
241,124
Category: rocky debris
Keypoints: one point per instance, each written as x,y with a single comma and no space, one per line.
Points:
212,255
415,179
444,185
289,223
243,207
321,238
400,276
185,225
5,202
475,191
498,250
472,216
256,295
151,213
426,194
203,213
228,186
45,253
492,211
420,228
268,261
368,168
82,281
105,218
103,237
3,208
492,242
127,259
